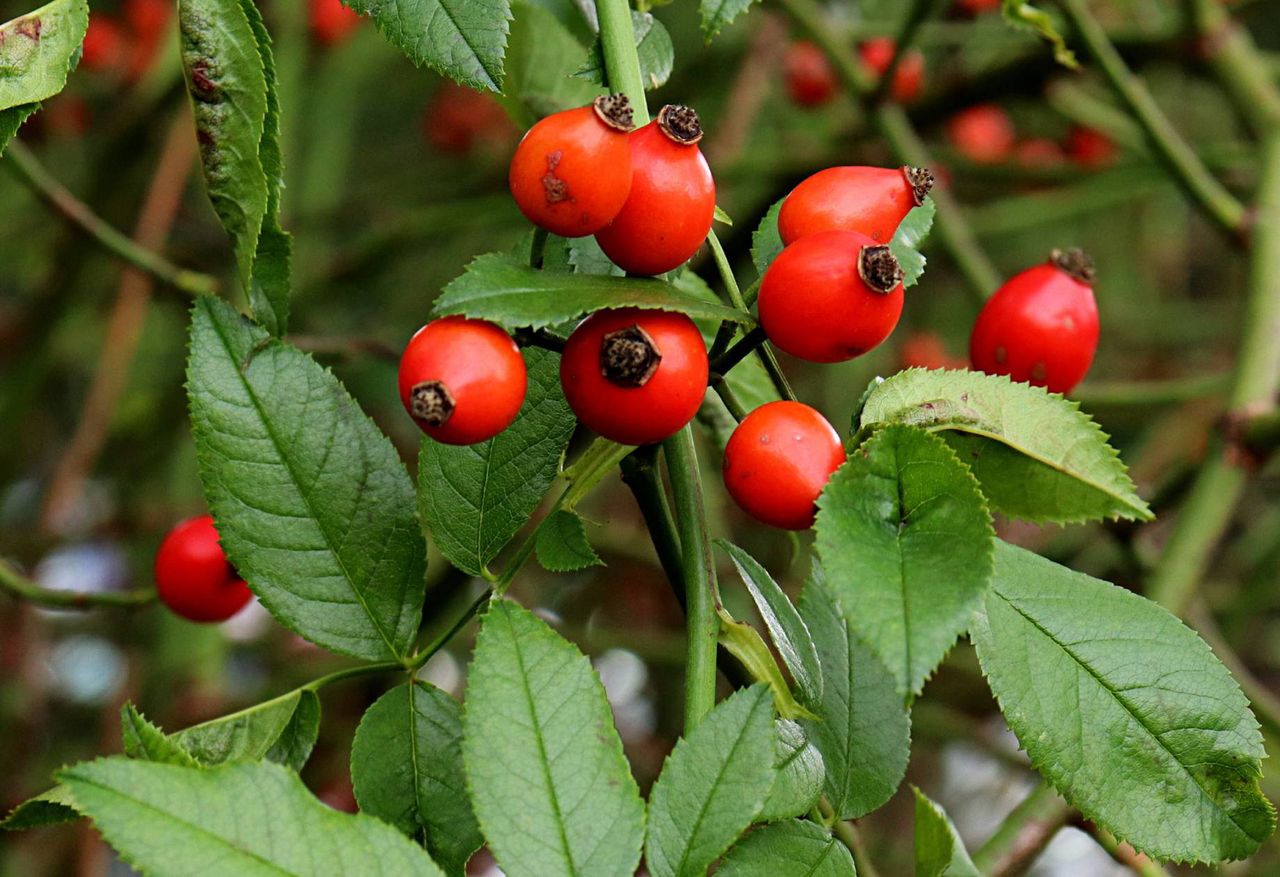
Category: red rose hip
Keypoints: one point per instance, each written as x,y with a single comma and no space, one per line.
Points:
635,376
462,381
571,172
831,296
908,79
810,80
1041,327
672,201
777,462
870,200
193,576
983,134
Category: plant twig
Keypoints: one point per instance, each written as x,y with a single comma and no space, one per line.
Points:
1123,853
750,342
728,397
640,474
22,588
698,567
1234,58
848,835
1024,833
28,170
1178,158
1209,507
621,62
124,328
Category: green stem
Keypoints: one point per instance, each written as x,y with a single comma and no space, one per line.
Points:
1125,394
31,173
698,567
1125,854
621,62
1243,71
750,342
427,651
1024,833
848,835
1179,159
1218,486
640,474
728,397
22,588
348,673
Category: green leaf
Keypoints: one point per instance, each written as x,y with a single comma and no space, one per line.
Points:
36,53
228,86
237,820
548,779
864,730
720,216
144,740
766,240
712,785
800,775
541,59
496,287
906,242
462,39
473,498
1124,710
586,257
562,544
653,46
787,848
939,850
283,730
719,14
406,769
52,807
312,503
11,120
269,289
746,644
905,540
1021,15
1037,456
786,627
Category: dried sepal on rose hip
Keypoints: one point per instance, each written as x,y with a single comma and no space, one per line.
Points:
777,462
1041,326
635,376
462,381
831,296
870,200
672,202
194,579
571,172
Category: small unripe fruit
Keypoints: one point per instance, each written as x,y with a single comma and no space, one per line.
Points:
193,576
869,200
831,296
983,134
635,376
571,172
672,201
1041,327
462,381
810,80
908,79
777,462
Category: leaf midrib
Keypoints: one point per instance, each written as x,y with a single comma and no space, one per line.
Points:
293,476
1128,709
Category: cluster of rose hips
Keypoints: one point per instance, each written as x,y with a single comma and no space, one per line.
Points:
126,45
984,134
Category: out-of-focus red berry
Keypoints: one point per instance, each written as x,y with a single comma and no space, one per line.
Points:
331,22
104,44
458,120
983,134
148,22
927,350
1038,153
1089,147
908,79
810,80
977,7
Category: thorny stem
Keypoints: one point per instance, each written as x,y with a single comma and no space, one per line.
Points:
1207,512
23,588
28,170
1170,149
1024,833
699,575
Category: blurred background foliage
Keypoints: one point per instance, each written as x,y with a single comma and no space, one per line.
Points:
395,179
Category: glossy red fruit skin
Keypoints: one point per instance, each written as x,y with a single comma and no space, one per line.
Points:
571,173
193,576
870,200
331,23
908,79
984,134
778,460
628,414
810,80
669,210
104,44
1041,327
1089,147
814,304
482,370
